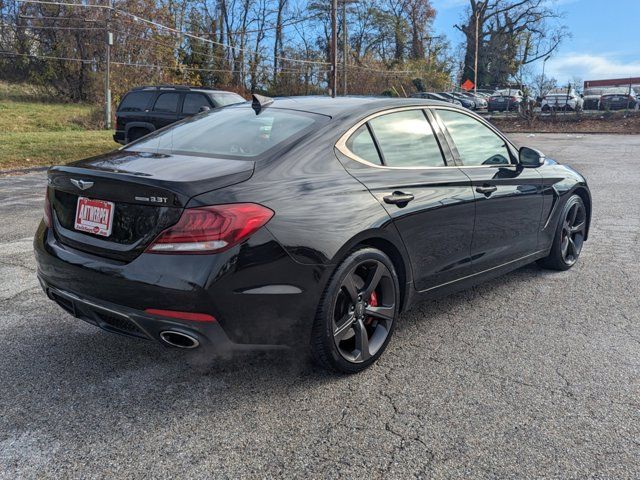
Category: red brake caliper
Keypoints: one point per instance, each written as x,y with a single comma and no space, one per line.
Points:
373,301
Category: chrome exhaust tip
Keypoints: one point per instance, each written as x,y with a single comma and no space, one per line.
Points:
179,339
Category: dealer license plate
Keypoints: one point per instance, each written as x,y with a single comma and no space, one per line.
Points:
94,216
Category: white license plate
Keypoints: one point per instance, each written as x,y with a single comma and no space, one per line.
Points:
94,216
501,100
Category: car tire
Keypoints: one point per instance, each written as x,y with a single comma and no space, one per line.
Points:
569,236
344,338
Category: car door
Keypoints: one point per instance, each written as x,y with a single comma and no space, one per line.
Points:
165,109
508,196
397,155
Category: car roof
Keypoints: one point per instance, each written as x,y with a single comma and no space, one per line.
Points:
345,106
184,88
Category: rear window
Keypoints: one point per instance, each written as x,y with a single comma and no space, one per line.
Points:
135,102
231,133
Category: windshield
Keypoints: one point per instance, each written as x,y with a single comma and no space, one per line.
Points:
230,132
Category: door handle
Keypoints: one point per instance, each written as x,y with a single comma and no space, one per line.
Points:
486,189
398,198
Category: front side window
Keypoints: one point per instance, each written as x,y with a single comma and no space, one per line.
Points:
476,143
193,102
235,132
222,99
406,140
167,103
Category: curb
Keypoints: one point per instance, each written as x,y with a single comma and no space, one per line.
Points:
20,171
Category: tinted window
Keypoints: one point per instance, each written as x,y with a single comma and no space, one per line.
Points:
135,102
361,144
476,143
230,132
406,140
167,102
193,102
222,99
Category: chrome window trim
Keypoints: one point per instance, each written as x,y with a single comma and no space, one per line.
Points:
341,144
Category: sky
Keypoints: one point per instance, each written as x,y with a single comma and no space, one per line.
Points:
604,43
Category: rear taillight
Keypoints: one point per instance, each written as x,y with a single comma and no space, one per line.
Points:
211,229
514,99
47,210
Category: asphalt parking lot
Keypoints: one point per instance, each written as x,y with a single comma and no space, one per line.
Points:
535,374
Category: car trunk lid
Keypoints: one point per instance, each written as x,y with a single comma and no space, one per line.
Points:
148,192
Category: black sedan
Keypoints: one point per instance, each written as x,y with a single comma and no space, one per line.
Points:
300,222
619,101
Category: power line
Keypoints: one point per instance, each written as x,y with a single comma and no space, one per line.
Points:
171,29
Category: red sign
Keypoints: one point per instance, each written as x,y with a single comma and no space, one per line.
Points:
468,85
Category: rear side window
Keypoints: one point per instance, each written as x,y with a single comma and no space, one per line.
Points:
167,103
235,132
407,140
135,102
362,145
193,102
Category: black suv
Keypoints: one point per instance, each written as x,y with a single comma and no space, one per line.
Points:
145,109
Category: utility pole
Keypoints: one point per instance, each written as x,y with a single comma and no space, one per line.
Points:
345,47
107,72
334,47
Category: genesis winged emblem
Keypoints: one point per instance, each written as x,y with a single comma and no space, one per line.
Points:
81,184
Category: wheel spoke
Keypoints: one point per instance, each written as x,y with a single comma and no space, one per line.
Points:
578,228
350,286
573,213
372,280
564,247
383,312
341,330
572,247
362,342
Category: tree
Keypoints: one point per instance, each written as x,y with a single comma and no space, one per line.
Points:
510,34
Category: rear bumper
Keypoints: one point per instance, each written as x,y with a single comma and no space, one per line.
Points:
259,296
133,323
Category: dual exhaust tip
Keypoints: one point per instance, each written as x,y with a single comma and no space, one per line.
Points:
179,339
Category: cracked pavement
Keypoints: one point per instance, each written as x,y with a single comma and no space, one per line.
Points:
535,374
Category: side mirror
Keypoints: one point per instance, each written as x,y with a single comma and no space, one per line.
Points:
204,108
530,157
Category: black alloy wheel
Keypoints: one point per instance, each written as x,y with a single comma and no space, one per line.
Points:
357,312
569,237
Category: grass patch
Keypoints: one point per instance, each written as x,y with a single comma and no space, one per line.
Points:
37,129
32,149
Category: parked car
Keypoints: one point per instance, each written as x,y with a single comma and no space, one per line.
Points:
569,100
479,100
592,97
619,99
505,100
435,96
146,109
218,233
465,102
